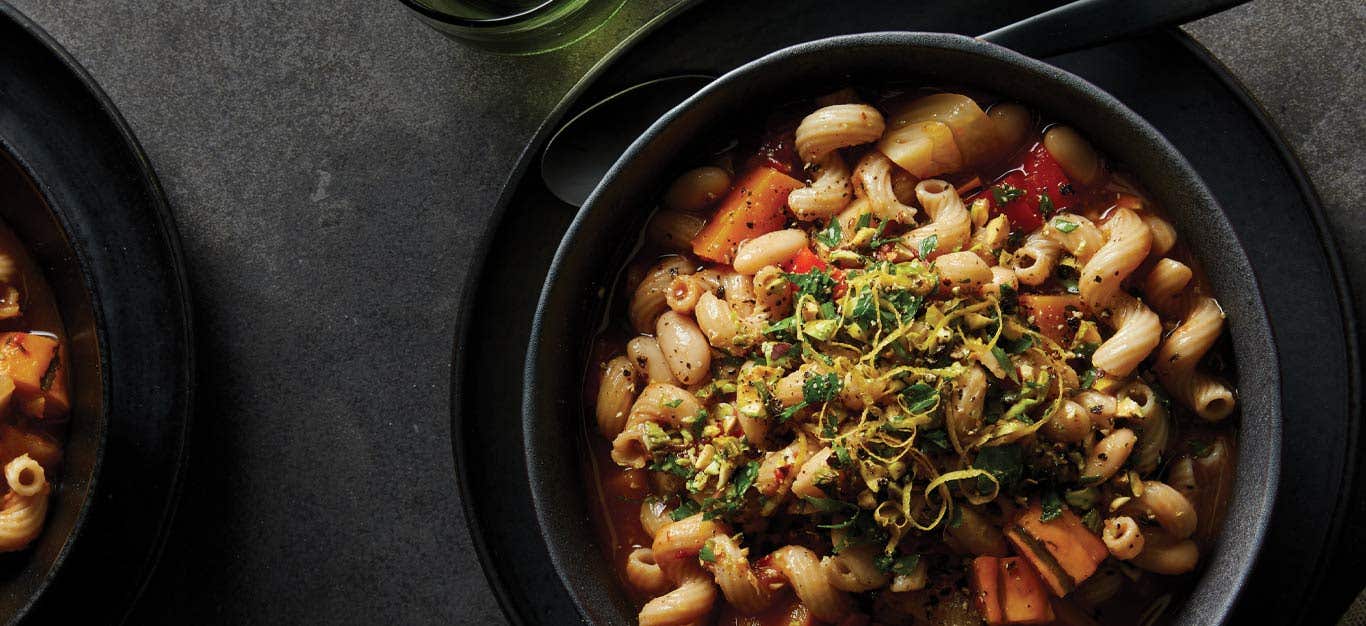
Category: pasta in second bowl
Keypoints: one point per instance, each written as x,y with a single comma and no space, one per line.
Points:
51,391
911,366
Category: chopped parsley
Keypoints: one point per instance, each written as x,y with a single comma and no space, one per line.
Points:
937,438
1004,361
842,457
743,479
670,466
821,388
707,555
784,328
865,307
1063,225
734,496
688,509
699,423
1046,207
920,398
832,235
1017,346
927,246
815,282
905,303
1010,300
847,523
1088,378
816,390
1004,193
878,241
1005,463
904,565
1092,520
1052,506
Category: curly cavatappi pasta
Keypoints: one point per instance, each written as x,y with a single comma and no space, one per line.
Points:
975,378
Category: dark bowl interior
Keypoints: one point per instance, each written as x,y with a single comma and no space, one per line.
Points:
599,241
23,208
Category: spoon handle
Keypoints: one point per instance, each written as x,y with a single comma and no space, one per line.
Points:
1089,23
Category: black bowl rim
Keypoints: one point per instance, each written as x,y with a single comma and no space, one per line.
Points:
1261,499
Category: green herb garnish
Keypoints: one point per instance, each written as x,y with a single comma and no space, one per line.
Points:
688,509
1006,463
920,397
707,555
815,282
1052,506
832,235
1046,207
1064,226
927,246
1004,193
1088,378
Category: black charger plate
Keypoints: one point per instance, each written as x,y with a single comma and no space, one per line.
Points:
77,188
1165,77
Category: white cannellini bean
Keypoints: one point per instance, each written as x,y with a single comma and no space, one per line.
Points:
648,361
685,347
716,320
773,248
616,394
1074,154
697,189
1013,123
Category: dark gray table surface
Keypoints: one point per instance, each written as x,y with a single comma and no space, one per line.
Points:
330,165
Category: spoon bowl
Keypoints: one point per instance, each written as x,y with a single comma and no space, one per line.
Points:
580,152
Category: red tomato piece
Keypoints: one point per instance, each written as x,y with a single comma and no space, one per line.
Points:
840,287
805,261
1035,190
1050,314
1043,176
1020,208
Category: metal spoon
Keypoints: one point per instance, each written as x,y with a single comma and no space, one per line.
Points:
580,152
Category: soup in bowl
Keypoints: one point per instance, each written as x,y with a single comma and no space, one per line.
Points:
903,351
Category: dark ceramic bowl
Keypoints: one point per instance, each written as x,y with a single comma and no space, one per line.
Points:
79,192
599,241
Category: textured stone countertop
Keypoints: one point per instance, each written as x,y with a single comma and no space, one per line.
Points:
294,138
